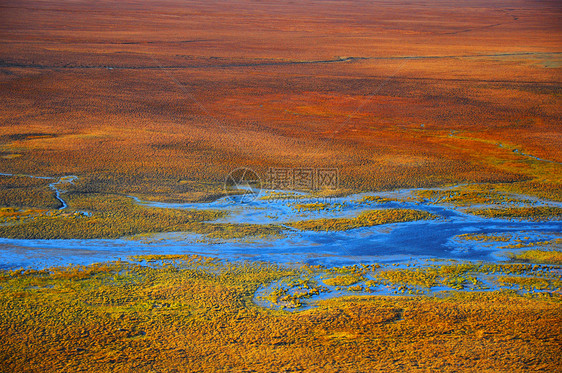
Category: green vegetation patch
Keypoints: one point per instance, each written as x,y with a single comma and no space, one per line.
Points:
21,191
375,199
555,243
110,216
467,196
485,237
315,206
343,280
365,219
198,314
537,213
11,214
530,283
539,256
290,293
456,276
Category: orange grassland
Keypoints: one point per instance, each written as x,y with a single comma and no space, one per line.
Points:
164,98
161,99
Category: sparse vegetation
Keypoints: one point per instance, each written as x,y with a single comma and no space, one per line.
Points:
116,216
365,219
485,237
375,199
467,196
343,280
26,192
315,206
539,256
531,213
195,313
162,99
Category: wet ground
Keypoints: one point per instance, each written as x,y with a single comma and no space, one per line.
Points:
440,238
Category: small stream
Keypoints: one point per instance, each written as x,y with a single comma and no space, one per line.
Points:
54,186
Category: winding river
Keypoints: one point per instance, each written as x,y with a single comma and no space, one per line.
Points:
428,239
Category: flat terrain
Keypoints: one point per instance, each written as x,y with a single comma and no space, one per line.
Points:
165,98
121,248
193,314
